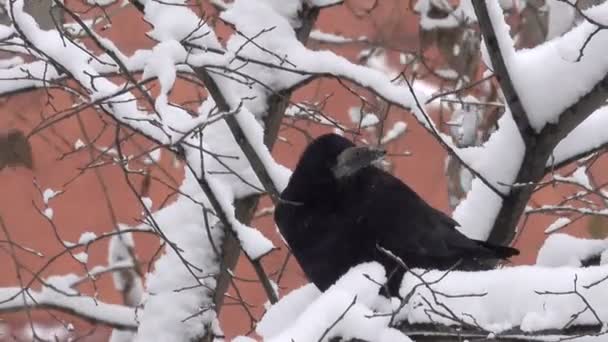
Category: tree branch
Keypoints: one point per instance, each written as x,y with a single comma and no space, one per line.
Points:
85,307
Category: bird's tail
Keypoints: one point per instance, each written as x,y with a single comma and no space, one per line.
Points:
502,252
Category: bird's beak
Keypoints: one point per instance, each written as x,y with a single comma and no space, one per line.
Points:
355,158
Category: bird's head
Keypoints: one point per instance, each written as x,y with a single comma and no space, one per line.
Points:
334,155
355,158
326,161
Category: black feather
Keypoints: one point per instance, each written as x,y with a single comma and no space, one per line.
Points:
339,223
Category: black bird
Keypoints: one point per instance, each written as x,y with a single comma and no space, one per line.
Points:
339,210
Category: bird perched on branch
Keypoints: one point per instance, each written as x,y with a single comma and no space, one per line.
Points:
339,210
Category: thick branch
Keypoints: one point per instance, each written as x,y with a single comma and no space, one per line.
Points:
539,146
500,70
533,167
245,207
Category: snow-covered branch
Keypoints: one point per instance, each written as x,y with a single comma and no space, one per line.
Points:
85,307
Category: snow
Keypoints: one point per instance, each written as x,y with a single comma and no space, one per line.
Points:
561,18
348,304
48,194
566,250
580,177
558,224
243,339
82,257
147,201
334,38
584,137
183,224
121,336
75,60
554,62
174,22
287,310
324,3
154,156
78,144
48,212
498,161
281,40
86,238
506,298
288,9
361,119
11,298
101,2
394,132
6,31
252,241
10,62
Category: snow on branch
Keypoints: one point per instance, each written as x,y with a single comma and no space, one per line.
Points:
344,310
577,59
182,282
532,299
498,159
584,139
88,308
517,303
566,250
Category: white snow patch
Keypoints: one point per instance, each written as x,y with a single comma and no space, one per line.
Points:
566,250
86,237
558,224
507,297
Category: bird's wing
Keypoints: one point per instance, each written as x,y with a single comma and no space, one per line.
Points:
402,222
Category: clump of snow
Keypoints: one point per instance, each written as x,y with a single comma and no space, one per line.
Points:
78,144
253,242
333,38
361,119
82,257
48,212
48,194
558,224
171,20
86,238
153,156
566,250
101,2
397,130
